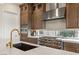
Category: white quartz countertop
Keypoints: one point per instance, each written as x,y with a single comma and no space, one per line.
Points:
40,50
33,36
72,40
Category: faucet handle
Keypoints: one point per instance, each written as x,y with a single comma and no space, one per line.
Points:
9,44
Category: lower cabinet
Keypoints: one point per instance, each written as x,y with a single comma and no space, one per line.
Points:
73,47
26,39
33,40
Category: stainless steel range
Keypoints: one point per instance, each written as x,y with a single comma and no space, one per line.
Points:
51,42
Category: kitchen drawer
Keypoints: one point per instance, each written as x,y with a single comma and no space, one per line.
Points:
70,49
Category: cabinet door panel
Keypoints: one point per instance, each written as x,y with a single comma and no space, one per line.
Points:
24,37
33,40
78,14
71,15
24,18
70,47
26,12
77,48
38,16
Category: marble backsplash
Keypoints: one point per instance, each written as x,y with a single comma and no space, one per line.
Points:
58,33
68,33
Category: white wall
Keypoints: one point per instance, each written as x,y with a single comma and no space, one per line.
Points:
9,19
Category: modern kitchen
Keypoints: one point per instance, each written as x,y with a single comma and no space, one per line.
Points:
39,28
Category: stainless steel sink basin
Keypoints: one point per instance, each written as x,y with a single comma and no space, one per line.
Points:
23,46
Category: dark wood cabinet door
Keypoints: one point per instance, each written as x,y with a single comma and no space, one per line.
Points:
38,22
24,37
24,18
78,13
25,13
73,47
33,40
71,15
77,48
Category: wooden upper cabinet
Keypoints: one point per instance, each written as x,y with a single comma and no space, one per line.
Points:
25,12
38,11
32,14
72,15
78,14
24,18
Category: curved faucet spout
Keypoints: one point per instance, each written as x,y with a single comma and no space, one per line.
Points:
10,44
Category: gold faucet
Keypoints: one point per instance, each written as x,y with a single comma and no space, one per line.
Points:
10,44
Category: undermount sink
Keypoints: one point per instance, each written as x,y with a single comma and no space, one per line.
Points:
23,46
